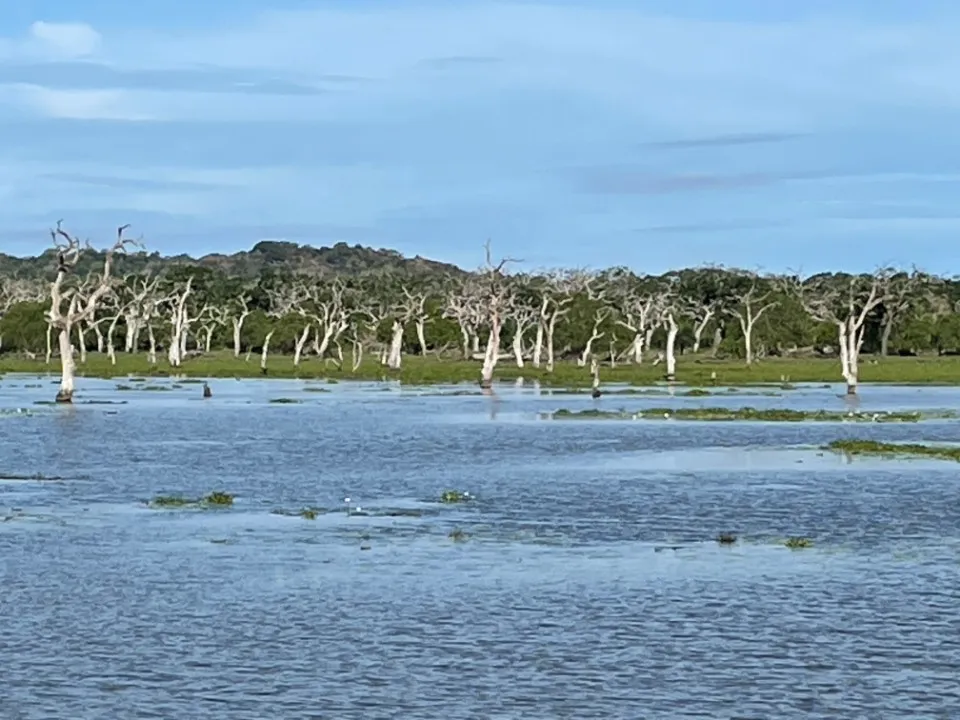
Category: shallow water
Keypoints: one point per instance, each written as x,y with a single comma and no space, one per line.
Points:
589,586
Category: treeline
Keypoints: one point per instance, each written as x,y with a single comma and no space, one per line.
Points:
378,303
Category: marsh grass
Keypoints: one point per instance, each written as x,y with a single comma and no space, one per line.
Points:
692,370
745,413
882,449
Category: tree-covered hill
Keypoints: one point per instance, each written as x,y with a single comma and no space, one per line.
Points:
268,255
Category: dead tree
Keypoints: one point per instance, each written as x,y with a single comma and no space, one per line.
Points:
282,301
495,297
556,296
748,306
67,306
464,307
846,304
238,311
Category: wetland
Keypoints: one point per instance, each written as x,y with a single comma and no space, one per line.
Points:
302,549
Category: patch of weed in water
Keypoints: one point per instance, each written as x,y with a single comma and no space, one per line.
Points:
882,449
213,500
744,414
455,496
798,543
284,401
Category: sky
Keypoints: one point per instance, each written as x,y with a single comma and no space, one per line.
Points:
655,134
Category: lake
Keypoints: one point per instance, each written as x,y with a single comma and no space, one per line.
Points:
585,581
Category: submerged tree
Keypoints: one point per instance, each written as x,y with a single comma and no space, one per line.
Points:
845,303
68,306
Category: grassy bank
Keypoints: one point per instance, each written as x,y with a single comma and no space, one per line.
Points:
416,370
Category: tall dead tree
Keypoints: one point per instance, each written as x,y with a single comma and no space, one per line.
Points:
846,304
67,306
495,301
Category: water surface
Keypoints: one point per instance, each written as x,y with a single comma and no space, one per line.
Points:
589,585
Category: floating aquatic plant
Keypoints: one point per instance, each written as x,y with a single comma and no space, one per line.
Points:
726,538
798,543
455,496
872,447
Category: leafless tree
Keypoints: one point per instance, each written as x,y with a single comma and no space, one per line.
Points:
67,306
846,305
748,306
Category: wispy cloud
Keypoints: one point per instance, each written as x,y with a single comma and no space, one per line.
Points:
727,140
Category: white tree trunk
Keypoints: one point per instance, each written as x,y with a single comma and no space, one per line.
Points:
111,329
491,354
67,367
300,343
237,329
699,328
638,349
49,342
421,337
265,350
396,344
82,342
672,330
551,328
518,347
151,345
538,346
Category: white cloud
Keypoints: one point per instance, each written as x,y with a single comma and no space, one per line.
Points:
66,40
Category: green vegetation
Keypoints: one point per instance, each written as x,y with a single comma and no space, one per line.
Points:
455,496
745,413
694,370
798,543
213,500
871,447
359,313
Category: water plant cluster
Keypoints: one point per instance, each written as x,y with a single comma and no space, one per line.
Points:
743,413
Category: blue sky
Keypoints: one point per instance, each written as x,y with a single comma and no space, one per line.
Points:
657,134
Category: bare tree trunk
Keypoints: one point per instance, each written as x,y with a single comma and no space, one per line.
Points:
465,334
266,349
421,337
518,346
672,330
551,328
151,346
885,335
357,352
82,342
699,328
299,344
111,329
717,339
538,345
396,344
491,355
49,342
67,367
99,336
